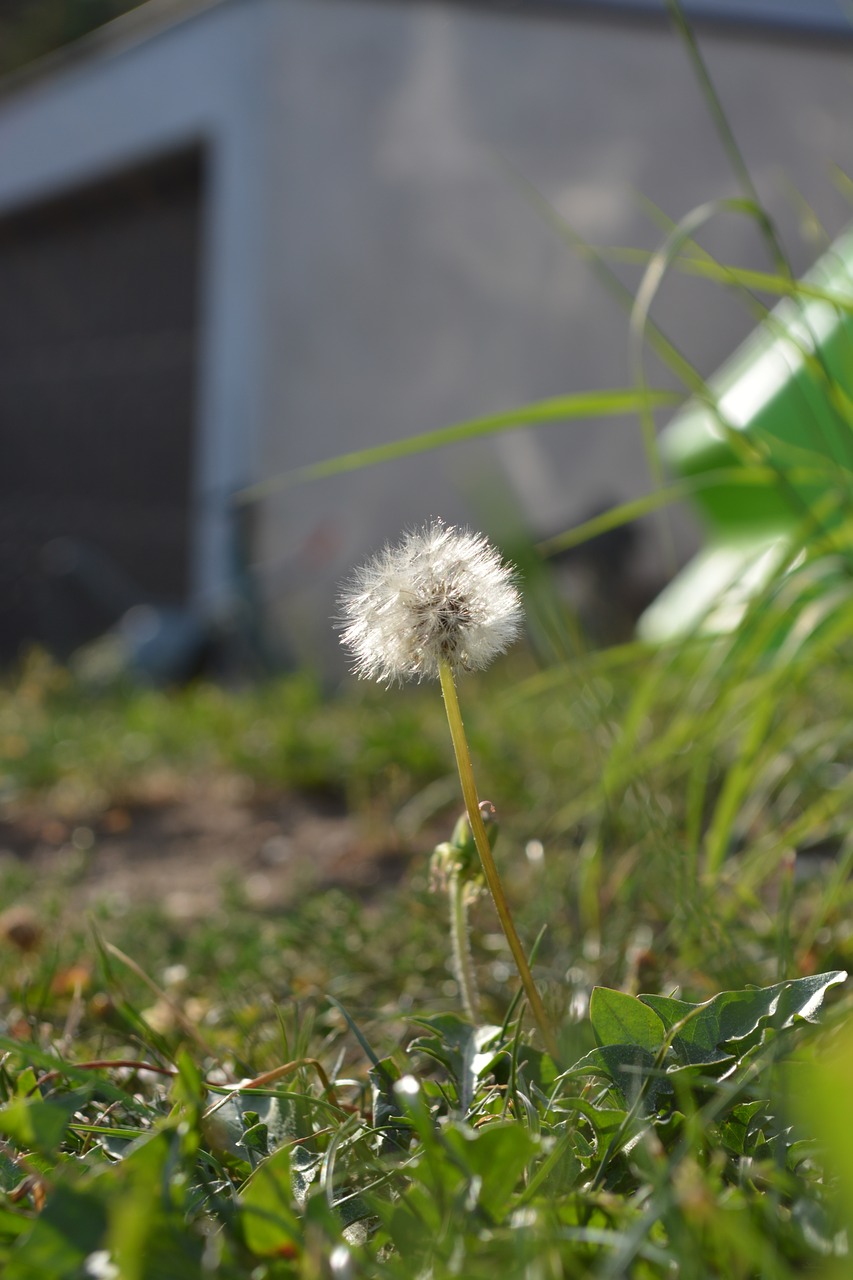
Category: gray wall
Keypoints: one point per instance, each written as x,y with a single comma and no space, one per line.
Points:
414,284
135,92
371,269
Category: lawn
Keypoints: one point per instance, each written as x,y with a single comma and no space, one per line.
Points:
274,1076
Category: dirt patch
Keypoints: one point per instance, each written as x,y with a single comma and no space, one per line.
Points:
188,844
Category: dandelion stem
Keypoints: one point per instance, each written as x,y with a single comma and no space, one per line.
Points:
462,963
481,839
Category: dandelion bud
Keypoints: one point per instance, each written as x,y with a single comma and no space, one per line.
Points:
458,855
441,595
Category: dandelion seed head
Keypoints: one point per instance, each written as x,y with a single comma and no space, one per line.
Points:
439,595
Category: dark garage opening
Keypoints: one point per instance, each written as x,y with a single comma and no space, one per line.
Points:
98,343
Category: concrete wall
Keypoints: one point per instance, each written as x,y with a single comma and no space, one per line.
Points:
375,270
415,284
134,98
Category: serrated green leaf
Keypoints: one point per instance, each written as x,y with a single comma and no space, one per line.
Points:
465,1050
710,1032
618,1018
803,997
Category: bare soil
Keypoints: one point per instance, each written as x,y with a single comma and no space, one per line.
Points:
187,844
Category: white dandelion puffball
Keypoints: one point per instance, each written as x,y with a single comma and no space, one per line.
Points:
439,595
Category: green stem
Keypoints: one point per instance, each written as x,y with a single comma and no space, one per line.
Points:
481,840
462,964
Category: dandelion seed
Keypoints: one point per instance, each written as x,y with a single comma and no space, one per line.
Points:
441,595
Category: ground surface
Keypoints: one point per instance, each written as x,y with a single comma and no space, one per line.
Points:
187,842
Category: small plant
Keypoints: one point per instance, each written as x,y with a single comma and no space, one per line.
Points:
443,601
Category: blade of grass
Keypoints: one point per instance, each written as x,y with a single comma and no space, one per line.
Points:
188,1026
843,182
693,259
664,349
736,784
715,107
726,273
636,508
592,404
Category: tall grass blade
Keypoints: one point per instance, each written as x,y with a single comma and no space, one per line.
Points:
715,107
592,404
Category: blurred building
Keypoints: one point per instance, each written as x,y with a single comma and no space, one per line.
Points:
241,236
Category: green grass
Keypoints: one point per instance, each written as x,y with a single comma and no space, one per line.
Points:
222,1099
668,790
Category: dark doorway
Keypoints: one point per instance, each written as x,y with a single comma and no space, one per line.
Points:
98,337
